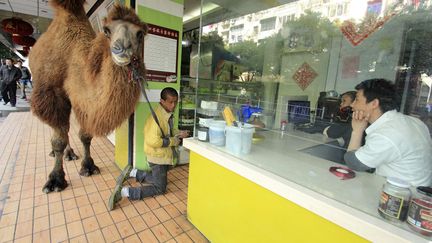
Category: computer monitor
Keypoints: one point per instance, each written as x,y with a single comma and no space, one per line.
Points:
327,108
298,111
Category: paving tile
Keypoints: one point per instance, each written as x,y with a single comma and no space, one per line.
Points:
95,236
41,224
150,219
162,200
26,239
125,228
196,236
130,211
161,233
41,236
79,239
8,219
183,238
69,204
104,219
40,200
86,211
26,203
173,228
57,219
75,229
72,215
40,211
59,234
90,224
7,233
118,215
24,229
161,214
99,207
110,233
147,236
184,223
138,223
132,239
151,203
172,211
24,215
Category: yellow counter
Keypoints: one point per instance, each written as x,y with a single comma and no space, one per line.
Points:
233,200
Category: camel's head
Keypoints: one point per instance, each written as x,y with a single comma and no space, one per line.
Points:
126,34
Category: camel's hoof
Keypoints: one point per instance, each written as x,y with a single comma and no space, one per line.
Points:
51,154
56,182
88,168
70,155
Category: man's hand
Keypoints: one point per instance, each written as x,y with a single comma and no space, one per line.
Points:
183,134
359,121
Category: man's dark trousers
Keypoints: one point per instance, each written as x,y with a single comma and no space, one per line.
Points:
9,92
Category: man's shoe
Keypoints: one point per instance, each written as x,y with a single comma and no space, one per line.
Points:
115,197
124,175
5,103
23,97
13,105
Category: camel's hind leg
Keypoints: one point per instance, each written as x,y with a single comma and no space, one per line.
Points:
56,181
88,167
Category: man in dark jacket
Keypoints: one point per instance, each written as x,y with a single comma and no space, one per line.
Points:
9,75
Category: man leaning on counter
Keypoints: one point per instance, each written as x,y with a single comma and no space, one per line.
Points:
396,145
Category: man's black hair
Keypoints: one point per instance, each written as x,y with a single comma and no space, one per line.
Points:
382,90
351,94
168,91
9,58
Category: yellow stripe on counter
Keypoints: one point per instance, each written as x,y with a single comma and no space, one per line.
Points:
226,208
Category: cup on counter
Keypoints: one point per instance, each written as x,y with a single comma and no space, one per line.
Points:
217,132
239,139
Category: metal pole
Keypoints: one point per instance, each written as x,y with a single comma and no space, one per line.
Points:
408,77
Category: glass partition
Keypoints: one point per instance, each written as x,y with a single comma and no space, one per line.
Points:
288,70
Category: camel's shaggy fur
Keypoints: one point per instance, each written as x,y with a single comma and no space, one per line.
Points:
73,68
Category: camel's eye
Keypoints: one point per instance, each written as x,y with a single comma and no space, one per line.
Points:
107,31
140,35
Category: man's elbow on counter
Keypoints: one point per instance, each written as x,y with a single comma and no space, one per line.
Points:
354,163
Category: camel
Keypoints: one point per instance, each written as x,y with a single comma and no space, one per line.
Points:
98,77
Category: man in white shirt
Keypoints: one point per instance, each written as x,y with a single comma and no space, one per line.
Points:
396,145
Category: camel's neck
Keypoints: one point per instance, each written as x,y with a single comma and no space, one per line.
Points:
109,86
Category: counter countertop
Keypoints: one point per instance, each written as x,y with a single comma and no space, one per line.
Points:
277,165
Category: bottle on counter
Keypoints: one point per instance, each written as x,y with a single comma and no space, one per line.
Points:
395,197
420,211
283,127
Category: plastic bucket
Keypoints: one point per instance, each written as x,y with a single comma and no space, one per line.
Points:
217,133
239,139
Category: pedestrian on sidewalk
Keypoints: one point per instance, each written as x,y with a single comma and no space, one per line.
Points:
9,75
25,78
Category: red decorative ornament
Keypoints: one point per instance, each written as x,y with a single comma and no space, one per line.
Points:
355,36
304,76
17,26
23,40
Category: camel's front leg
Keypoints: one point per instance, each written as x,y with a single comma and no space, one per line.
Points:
88,167
56,180
69,154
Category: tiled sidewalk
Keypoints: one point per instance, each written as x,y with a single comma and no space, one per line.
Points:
79,213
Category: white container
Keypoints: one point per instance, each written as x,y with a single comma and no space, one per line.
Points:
217,133
205,122
239,139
